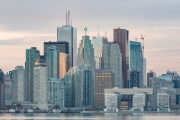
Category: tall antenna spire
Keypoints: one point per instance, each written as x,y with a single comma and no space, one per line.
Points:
98,28
66,17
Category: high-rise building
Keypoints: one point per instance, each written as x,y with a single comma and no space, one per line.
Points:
40,89
68,34
144,72
85,54
134,79
104,79
61,46
1,76
136,58
150,74
97,42
52,60
139,101
18,80
111,58
79,87
121,37
31,56
54,91
2,95
64,64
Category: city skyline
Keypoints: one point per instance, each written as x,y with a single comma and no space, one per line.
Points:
25,24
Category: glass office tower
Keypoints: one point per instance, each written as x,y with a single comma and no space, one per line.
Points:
97,42
69,34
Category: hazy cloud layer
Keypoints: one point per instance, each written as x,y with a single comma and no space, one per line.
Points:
27,23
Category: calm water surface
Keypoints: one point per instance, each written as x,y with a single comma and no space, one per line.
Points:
90,116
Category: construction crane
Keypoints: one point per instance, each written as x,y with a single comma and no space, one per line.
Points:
142,37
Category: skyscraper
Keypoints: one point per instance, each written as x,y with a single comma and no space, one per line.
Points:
31,56
52,60
97,42
85,54
111,58
121,37
40,90
18,88
134,78
64,64
68,34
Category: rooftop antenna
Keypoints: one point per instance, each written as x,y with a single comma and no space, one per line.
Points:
98,28
66,17
71,21
85,29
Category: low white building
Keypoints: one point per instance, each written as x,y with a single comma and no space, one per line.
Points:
139,101
163,102
112,102
54,91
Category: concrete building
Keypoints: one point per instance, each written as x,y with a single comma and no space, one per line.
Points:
139,101
150,74
163,102
111,58
134,79
121,37
104,79
40,90
31,56
98,42
54,86
52,60
18,81
112,102
64,64
2,95
68,34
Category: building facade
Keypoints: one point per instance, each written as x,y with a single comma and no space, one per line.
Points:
52,58
18,81
104,79
31,56
163,102
150,74
139,101
1,76
69,34
112,102
111,58
134,79
54,85
121,37
64,64
98,42
2,95
40,90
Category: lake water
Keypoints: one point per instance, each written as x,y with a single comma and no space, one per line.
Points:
90,116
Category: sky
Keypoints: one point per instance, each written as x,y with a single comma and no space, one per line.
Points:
29,23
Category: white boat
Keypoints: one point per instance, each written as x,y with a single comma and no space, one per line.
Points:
30,111
56,111
12,110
